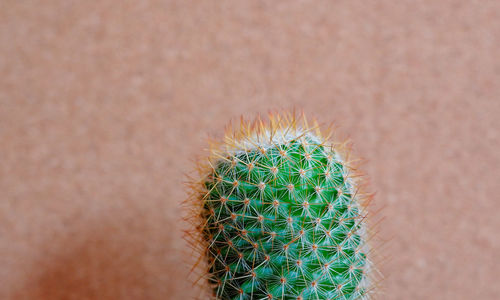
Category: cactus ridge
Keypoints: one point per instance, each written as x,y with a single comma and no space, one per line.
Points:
282,217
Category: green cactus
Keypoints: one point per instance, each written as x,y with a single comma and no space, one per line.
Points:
281,216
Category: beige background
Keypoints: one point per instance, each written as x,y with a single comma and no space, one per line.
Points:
103,104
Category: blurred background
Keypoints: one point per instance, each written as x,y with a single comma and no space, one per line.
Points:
104,104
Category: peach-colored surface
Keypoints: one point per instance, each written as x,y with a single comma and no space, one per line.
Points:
104,103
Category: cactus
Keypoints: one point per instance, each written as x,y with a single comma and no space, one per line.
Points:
278,214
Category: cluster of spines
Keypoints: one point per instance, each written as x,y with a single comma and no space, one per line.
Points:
281,216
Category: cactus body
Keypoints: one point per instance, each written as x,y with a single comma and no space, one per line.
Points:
281,216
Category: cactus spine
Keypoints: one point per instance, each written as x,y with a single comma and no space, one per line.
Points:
279,215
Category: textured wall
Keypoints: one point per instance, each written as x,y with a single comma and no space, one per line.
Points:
104,103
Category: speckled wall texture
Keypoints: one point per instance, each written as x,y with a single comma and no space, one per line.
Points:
104,103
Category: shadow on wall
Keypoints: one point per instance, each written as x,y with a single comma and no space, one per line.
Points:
107,261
